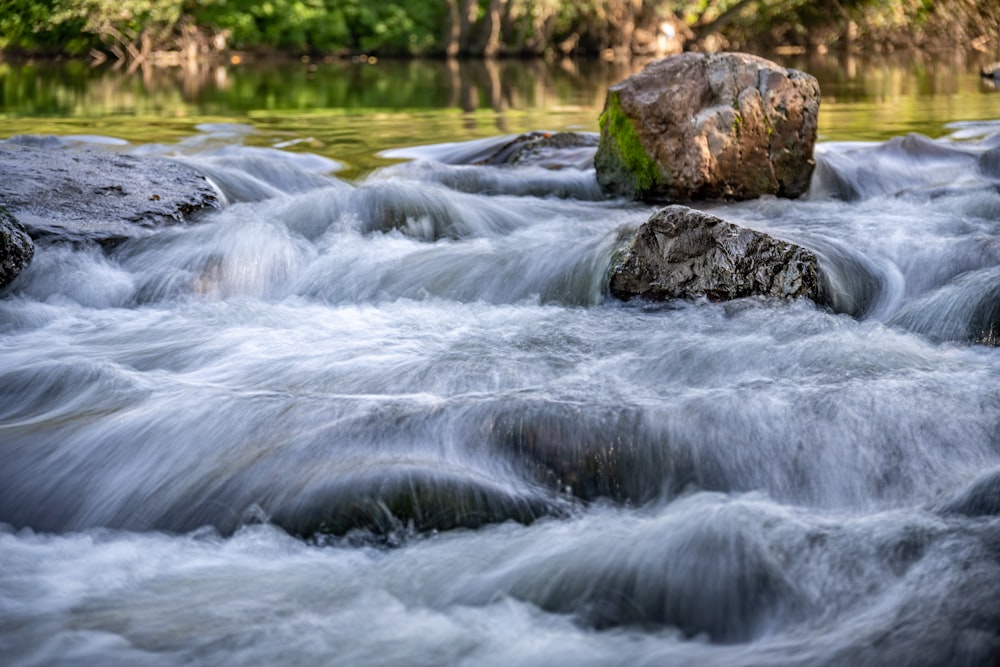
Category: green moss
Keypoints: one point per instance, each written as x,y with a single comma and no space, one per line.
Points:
737,123
617,127
767,125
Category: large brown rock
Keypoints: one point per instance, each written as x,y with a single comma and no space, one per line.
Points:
709,126
681,253
16,247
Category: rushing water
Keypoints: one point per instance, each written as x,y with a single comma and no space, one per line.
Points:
396,420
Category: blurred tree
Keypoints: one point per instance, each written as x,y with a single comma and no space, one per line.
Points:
132,28
278,24
129,28
41,26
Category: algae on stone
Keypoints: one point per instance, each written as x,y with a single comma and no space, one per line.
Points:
619,135
696,127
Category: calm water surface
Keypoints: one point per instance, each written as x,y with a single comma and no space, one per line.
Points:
379,409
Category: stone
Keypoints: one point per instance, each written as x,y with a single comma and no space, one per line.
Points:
980,498
16,247
545,149
681,253
697,126
98,195
988,164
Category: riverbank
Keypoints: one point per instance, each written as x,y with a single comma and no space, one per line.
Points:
165,32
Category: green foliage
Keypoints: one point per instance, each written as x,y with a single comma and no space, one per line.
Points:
127,17
278,24
398,28
415,27
40,26
73,26
405,27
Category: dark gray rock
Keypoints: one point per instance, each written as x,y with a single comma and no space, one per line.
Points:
98,195
16,247
550,150
988,164
387,501
965,309
709,126
681,253
980,498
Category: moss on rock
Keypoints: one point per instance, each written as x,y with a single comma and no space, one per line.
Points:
618,135
696,126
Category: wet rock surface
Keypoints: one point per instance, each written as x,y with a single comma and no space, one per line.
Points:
980,498
681,253
94,195
16,247
709,126
545,149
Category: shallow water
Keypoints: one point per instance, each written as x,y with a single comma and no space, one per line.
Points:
398,420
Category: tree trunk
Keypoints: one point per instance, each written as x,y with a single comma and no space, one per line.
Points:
542,34
489,41
466,25
451,42
620,24
705,29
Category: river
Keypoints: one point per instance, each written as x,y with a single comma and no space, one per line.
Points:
380,410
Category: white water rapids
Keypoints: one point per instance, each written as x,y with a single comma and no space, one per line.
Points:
399,422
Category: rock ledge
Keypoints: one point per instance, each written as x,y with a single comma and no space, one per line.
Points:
97,195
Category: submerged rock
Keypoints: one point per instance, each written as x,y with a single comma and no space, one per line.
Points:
709,126
966,309
681,253
988,164
92,195
550,150
991,336
586,453
980,498
16,247
905,164
403,498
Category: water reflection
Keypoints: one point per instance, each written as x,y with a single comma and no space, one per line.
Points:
74,89
334,102
851,77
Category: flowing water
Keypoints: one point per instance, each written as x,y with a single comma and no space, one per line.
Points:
395,419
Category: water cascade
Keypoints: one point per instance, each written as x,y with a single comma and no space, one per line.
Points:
399,420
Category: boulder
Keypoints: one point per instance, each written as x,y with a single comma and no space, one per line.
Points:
16,247
681,253
97,195
709,126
